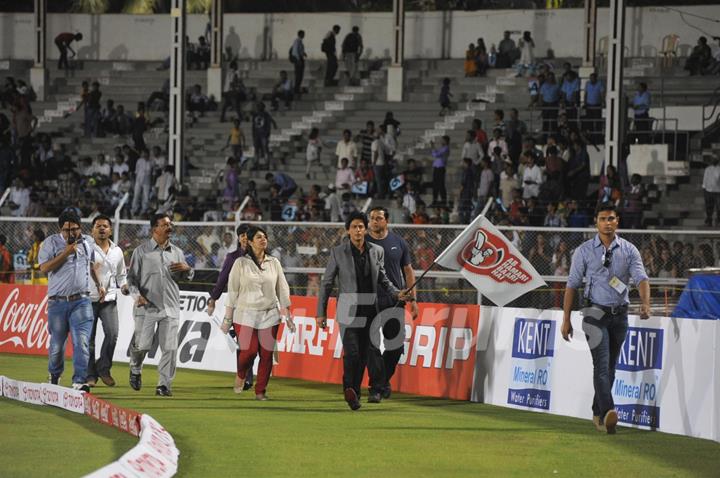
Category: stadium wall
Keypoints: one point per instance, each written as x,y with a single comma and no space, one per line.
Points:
667,378
429,35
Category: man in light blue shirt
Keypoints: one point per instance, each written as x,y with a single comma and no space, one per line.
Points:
641,107
67,259
594,100
607,263
550,97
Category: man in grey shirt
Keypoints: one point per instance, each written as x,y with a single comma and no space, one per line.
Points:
67,259
155,268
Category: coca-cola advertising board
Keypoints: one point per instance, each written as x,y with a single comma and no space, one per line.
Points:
23,320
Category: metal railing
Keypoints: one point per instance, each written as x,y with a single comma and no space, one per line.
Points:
303,248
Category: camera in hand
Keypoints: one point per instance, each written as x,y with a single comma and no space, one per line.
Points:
72,240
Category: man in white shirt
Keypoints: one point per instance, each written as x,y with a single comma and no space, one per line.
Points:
163,184
344,177
102,167
207,239
532,179
112,275
471,148
409,201
346,148
378,152
120,166
19,198
226,247
332,204
711,186
143,177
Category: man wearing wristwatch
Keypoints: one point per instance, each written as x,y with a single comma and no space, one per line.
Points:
155,269
398,268
67,259
112,273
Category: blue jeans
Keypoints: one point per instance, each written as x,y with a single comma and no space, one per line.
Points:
75,317
605,337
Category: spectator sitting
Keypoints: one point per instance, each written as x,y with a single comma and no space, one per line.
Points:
283,90
19,198
517,203
480,135
414,175
197,103
347,206
123,121
420,216
410,199
286,185
344,177
700,58
108,118
499,121
163,95
553,218
365,173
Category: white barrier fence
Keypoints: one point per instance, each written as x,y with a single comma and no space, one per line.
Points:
666,378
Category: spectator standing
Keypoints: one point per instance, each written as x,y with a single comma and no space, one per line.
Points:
6,261
328,47
297,58
140,125
578,172
507,51
92,110
470,66
352,48
467,190
236,142
481,58
262,123
346,148
508,182
641,107
379,163
633,203
19,198
155,269
62,42
143,182
440,158
471,148
486,186
594,101
444,97
527,55
549,101
313,153
234,93
711,188
532,179
570,94
67,258
366,139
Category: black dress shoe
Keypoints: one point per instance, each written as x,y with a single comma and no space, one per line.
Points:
352,399
247,386
375,397
386,392
135,381
163,391
54,379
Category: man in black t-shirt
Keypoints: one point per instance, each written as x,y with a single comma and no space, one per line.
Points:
398,267
352,48
92,110
262,123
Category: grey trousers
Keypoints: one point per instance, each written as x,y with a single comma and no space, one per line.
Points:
106,313
167,330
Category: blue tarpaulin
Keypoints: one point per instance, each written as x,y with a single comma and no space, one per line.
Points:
700,299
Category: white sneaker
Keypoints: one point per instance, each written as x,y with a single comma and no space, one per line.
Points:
83,387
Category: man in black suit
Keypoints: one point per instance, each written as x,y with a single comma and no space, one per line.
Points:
359,267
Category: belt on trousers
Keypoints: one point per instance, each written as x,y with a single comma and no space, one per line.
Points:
612,309
68,298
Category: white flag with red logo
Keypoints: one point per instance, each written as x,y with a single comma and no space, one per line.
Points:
485,257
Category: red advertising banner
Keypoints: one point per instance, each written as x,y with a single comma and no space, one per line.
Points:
105,412
439,358
23,320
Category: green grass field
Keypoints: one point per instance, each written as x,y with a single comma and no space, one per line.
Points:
307,430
